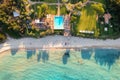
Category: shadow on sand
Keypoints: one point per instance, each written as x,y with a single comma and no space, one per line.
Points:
66,56
43,55
30,53
106,56
86,53
39,56
13,51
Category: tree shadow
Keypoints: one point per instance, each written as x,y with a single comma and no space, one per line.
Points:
30,53
66,56
39,56
86,53
13,51
45,56
106,57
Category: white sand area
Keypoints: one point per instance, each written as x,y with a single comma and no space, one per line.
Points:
57,41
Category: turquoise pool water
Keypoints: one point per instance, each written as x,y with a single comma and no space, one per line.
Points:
58,22
60,64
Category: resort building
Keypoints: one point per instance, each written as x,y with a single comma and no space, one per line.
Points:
54,22
107,17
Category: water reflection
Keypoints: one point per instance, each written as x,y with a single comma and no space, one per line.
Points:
30,53
66,56
39,56
86,53
106,56
13,51
55,68
45,56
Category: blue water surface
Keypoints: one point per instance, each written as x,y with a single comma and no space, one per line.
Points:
60,64
58,22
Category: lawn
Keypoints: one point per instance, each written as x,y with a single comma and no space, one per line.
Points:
87,19
52,9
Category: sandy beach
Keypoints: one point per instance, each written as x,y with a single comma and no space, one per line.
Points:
57,41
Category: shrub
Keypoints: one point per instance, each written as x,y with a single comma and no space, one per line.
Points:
98,8
42,34
2,37
63,10
97,33
49,31
12,33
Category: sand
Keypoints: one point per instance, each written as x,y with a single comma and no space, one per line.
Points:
58,41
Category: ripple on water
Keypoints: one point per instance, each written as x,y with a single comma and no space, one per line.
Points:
49,65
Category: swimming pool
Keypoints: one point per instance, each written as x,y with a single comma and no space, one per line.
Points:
58,22
60,64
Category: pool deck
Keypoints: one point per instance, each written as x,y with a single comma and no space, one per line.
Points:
57,42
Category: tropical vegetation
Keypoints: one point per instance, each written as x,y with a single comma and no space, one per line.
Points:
84,16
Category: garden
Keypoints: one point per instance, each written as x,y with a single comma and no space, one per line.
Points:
88,17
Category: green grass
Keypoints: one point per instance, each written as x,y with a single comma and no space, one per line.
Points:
63,10
87,20
52,9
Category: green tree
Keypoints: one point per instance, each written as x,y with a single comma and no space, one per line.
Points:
44,8
98,7
39,11
74,8
113,6
64,1
8,21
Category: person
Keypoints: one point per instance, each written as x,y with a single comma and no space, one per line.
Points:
65,43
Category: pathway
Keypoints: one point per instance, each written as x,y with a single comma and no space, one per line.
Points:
39,2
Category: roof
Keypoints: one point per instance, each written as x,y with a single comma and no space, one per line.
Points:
37,21
16,14
107,16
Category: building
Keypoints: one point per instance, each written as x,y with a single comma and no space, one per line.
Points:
107,17
16,14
